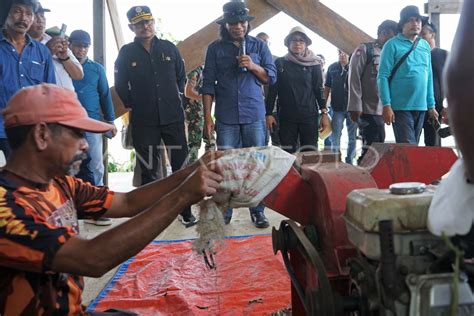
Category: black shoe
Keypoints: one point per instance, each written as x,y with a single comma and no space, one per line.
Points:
260,220
188,220
227,219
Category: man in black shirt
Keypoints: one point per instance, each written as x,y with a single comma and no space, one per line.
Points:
438,59
149,78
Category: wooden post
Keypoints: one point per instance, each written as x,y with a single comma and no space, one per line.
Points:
434,8
99,56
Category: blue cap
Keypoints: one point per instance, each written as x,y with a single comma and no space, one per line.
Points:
80,36
139,13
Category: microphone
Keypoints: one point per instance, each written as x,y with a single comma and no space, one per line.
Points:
243,51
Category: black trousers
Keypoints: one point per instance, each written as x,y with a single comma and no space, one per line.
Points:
372,130
306,133
431,135
147,139
275,135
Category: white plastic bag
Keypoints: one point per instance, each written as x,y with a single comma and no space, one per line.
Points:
452,207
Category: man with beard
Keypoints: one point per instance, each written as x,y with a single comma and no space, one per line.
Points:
66,66
405,79
25,62
42,258
236,67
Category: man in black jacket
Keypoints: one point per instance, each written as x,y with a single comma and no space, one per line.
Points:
149,78
438,59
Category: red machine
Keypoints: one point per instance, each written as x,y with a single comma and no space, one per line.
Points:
316,252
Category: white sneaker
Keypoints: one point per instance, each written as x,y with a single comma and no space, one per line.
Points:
103,221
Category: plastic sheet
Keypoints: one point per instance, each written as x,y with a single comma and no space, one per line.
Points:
168,278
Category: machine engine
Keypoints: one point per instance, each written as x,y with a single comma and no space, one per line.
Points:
402,269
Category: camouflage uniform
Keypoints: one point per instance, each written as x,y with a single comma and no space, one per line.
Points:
195,118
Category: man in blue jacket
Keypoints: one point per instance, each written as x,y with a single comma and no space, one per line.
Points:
407,94
237,66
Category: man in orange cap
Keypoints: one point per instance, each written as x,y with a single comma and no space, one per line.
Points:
42,258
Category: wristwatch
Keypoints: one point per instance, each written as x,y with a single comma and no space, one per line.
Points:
64,59
324,111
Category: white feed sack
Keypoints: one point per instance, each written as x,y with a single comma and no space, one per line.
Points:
250,174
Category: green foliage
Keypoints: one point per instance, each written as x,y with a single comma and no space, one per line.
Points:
114,166
163,35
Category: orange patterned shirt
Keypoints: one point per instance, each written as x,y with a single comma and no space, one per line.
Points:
35,221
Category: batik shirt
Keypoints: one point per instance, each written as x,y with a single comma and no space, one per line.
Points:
35,221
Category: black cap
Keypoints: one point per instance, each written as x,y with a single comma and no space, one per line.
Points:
387,25
139,13
39,8
409,12
432,26
235,11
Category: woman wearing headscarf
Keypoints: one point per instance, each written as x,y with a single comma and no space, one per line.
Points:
299,95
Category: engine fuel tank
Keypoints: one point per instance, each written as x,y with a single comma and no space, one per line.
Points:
408,212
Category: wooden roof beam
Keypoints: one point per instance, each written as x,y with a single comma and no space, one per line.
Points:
115,20
324,22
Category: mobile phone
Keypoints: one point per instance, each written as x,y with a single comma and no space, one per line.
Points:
62,32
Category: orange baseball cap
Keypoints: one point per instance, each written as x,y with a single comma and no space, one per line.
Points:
49,103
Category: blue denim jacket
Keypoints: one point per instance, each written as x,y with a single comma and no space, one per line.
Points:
32,67
238,95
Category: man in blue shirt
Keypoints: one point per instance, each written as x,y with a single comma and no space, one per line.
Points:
409,93
25,62
237,66
336,85
94,94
